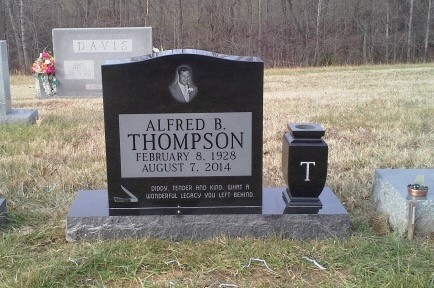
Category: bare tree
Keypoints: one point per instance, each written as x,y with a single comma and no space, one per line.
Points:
12,19
283,33
24,37
387,30
3,29
410,28
161,25
146,13
260,25
318,19
428,19
180,24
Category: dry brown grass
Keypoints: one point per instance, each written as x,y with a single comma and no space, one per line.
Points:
375,117
45,164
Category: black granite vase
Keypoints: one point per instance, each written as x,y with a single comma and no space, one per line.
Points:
304,165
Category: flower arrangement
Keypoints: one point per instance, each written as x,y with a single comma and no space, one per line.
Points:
44,71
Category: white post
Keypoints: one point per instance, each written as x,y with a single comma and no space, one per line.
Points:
5,89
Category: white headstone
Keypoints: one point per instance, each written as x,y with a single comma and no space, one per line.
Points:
5,92
79,53
7,114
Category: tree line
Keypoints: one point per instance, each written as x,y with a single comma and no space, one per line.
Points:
282,32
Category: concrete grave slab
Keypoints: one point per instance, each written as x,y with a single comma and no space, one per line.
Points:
390,197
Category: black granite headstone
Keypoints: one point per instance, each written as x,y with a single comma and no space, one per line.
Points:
184,133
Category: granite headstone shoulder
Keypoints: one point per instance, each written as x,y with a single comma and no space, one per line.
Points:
79,53
184,133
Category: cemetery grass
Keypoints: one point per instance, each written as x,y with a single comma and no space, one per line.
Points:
374,116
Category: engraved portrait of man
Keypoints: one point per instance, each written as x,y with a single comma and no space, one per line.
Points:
183,88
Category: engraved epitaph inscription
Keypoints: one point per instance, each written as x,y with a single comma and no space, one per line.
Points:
83,69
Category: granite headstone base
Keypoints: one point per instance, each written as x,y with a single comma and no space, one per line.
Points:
3,211
27,116
88,219
390,197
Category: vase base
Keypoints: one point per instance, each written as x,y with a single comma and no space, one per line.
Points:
44,88
300,205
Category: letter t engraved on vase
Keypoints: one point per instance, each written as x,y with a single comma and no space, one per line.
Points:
307,169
